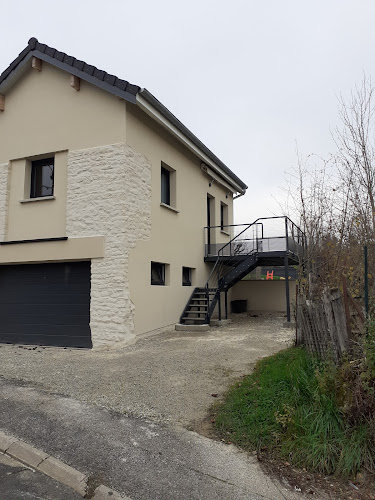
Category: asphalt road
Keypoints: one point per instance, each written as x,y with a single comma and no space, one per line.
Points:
18,482
141,459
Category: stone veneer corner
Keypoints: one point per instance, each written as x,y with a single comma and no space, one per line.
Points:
109,194
4,197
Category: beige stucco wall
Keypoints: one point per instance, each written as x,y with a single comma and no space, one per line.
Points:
267,295
176,239
45,115
108,155
41,218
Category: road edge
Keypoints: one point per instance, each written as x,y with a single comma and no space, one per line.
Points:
53,467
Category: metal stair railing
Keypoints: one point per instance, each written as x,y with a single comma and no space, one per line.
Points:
242,244
219,270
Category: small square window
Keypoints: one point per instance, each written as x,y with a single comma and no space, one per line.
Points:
186,276
42,178
157,273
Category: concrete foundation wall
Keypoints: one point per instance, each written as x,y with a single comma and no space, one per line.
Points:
266,295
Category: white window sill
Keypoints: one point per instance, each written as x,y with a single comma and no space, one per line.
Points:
224,232
42,198
169,208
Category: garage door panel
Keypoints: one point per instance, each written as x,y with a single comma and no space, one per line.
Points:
40,329
46,319
47,304
46,298
12,311
37,289
47,340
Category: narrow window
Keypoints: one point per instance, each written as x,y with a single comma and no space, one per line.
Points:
157,273
165,186
186,276
224,217
42,178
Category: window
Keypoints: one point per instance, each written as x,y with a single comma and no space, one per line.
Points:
157,273
42,178
186,276
224,217
165,186
168,187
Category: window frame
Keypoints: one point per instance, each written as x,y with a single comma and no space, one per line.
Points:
34,188
162,281
165,175
224,217
169,201
189,281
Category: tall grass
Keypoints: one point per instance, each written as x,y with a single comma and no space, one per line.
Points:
288,406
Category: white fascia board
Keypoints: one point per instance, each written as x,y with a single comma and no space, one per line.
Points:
156,115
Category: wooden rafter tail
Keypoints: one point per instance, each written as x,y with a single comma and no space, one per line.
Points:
36,63
75,82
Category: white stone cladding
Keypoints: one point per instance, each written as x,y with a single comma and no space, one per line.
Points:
4,190
109,194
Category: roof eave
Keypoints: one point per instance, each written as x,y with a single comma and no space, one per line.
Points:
25,64
175,125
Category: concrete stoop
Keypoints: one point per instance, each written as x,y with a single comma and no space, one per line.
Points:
54,468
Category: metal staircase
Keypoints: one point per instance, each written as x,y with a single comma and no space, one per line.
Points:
237,258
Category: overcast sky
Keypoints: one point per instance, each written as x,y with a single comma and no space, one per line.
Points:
249,78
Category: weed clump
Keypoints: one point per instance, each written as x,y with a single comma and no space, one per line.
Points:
312,413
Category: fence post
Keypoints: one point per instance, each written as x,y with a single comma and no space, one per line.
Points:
366,283
346,306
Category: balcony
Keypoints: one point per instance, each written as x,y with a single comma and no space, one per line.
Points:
270,238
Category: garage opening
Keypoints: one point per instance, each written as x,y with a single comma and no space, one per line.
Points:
46,304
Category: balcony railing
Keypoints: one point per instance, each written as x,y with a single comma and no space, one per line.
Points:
267,234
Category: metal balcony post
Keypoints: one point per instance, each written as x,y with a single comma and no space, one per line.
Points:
286,264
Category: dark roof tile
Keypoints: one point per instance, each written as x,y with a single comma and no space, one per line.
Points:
50,51
42,47
121,84
59,56
78,64
32,42
68,60
133,89
89,69
110,79
100,74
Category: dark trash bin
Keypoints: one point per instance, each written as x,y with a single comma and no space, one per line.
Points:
238,306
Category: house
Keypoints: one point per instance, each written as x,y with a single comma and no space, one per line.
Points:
104,197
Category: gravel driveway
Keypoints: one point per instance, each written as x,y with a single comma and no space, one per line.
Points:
168,376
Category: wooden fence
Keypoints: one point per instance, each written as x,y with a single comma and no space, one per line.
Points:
326,327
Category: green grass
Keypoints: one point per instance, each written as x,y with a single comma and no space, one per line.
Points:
284,408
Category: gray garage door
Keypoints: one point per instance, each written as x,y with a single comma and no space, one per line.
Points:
46,304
